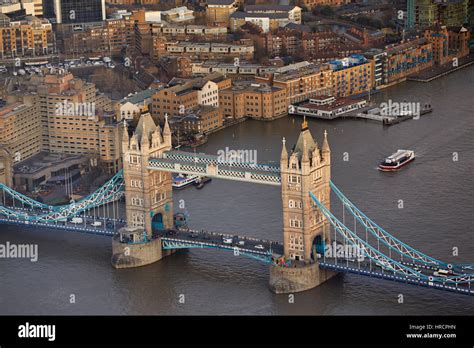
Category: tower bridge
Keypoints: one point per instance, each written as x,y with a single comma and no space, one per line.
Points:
146,231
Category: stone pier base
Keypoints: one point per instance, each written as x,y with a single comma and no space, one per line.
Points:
135,255
284,280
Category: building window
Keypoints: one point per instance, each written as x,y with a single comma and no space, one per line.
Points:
136,183
137,219
295,223
294,179
137,201
295,204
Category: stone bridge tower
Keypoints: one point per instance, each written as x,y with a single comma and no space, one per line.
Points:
305,229
148,193
148,196
6,167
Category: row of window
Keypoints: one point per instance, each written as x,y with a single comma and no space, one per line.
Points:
138,219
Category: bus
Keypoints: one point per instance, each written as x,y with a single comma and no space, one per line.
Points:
43,62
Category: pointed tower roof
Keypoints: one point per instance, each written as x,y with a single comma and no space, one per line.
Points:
305,156
166,128
157,134
145,125
325,143
304,137
125,136
284,152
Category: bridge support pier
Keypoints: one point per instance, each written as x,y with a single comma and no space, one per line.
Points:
285,280
136,254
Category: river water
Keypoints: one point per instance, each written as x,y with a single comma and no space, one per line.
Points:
437,216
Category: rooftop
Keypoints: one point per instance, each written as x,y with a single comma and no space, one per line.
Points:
352,60
330,106
43,160
220,2
399,47
140,96
278,15
298,70
7,109
246,86
269,8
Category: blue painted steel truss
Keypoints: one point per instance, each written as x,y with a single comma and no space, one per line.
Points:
111,191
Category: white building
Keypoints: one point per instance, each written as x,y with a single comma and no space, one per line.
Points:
208,94
132,105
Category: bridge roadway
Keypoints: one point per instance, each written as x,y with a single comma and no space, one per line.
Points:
373,270
188,238
108,226
180,239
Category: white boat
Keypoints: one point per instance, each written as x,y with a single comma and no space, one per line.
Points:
182,180
397,160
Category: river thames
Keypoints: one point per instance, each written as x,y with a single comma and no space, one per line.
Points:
437,216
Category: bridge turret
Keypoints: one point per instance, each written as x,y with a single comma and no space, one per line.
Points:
6,166
156,139
125,137
167,132
284,154
305,164
134,142
316,156
144,141
326,151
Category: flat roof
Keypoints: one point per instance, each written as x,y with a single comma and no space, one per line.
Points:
140,96
240,14
220,2
7,109
269,7
43,160
338,103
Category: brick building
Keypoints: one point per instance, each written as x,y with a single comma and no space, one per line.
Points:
255,100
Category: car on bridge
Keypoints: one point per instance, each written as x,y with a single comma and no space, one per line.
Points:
259,246
77,220
227,240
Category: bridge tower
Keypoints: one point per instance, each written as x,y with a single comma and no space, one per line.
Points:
305,229
6,167
148,194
